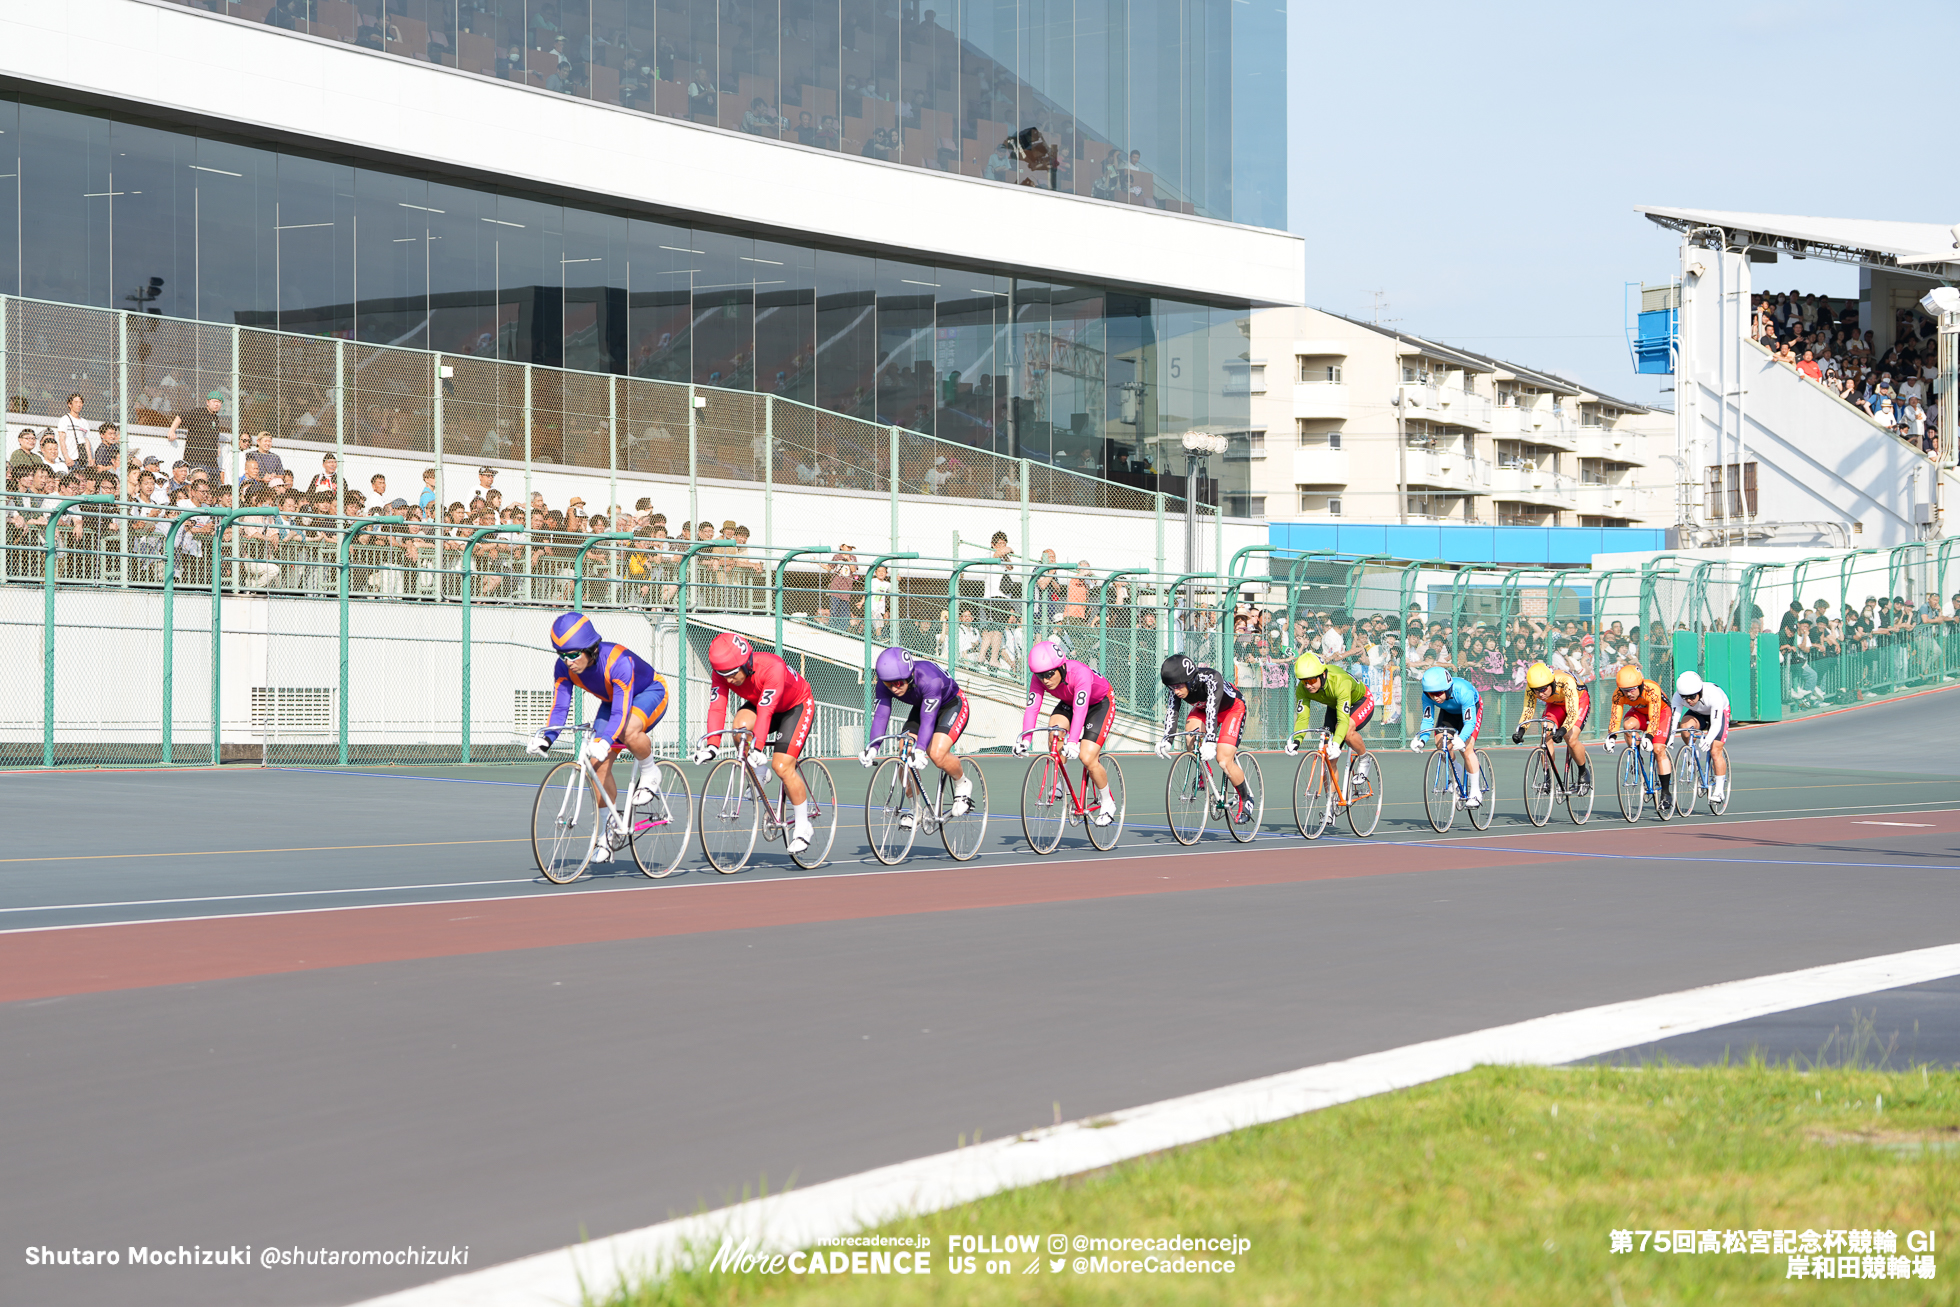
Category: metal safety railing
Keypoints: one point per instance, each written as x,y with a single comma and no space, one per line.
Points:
324,639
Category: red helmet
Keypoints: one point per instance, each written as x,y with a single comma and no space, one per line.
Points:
729,652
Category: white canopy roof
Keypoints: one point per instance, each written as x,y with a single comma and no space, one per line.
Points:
1849,240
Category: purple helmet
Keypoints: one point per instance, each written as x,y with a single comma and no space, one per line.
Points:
1044,657
894,665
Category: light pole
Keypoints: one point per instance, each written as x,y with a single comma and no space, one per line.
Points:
1198,445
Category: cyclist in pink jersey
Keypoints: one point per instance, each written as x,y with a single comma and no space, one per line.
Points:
1090,715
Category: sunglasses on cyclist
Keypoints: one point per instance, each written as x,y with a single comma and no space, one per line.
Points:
899,687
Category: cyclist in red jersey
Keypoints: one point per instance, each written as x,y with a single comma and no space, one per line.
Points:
776,697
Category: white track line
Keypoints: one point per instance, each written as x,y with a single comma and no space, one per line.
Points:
799,1218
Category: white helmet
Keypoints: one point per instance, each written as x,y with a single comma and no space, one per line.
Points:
1687,684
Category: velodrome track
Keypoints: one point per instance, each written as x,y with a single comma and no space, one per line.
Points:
307,1008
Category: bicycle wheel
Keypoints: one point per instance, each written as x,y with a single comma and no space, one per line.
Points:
1630,784
731,817
1538,787
1187,800
963,832
561,824
888,802
663,828
1245,829
1720,806
1686,780
1439,791
1364,809
1105,837
1577,806
1663,785
1486,780
1045,804
1313,802
822,792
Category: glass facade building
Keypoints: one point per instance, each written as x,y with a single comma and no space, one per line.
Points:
1176,104
104,211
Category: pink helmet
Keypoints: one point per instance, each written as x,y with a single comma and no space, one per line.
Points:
1044,657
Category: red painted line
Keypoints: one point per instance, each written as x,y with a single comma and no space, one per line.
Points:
55,962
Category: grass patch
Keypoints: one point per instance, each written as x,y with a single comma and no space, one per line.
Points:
1497,1186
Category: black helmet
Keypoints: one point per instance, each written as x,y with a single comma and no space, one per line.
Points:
1178,669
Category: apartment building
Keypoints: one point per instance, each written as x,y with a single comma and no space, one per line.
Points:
1357,421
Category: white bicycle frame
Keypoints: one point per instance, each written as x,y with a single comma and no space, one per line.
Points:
590,773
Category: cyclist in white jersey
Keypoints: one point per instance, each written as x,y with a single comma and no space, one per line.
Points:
1700,703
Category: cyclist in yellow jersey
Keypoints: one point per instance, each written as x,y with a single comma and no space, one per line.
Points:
1559,696
1349,706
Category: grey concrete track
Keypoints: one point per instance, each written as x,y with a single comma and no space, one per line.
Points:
512,1101
1893,1028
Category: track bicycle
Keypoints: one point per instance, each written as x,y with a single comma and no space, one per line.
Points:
898,804
1447,781
1694,773
571,814
1547,781
1318,796
1197,790
1051,800
1638,778
737,807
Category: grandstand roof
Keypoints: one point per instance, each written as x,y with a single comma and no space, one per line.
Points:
1919,246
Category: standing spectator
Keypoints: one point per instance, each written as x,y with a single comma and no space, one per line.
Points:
202,432
25,456
270,464
73,433
108,449
840,579
877,602
996,604
327,479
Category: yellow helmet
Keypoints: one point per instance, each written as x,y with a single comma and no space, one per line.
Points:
1307,666
1629,677
1538,676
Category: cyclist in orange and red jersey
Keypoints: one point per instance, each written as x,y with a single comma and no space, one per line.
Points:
1560,697
1641,705
776,695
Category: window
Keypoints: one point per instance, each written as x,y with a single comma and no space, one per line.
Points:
1319,501
1255,380
1732,490
1309,438
1237,505
1318,368
1255,444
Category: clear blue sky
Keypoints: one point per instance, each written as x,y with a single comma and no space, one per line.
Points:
1480,164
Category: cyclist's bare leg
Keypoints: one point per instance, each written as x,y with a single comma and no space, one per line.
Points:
941,753
1662,762
1091,755
1228,759
1719,753
785,768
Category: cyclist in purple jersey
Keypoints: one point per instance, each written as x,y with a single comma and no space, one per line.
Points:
1091,712
939,715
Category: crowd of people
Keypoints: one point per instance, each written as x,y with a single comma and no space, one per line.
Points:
1821,340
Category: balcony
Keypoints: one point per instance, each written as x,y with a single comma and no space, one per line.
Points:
1523,485
1317,465
1608,500
1537,425
1320,399
1613,445
1448,470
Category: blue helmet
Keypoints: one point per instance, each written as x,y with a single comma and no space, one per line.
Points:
894,664
1435,680
573,634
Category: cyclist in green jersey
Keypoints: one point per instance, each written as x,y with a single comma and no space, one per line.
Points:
1349,706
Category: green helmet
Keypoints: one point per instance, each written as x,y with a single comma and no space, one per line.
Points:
1307,666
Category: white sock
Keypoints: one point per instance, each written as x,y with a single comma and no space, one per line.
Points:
801,811
963,786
